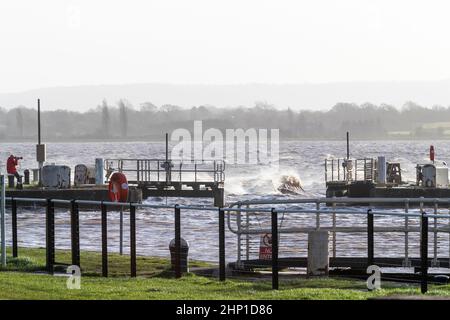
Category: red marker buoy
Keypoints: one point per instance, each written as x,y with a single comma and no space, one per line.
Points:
432,153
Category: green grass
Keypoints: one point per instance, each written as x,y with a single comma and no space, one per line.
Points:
23,279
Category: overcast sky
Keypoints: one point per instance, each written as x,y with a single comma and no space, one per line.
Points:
74,42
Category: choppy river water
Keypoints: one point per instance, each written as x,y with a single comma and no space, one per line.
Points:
303,159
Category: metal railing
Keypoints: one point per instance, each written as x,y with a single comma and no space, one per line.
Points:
341,169
246,210
237,209
142,171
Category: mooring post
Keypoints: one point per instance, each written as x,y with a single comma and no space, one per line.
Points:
75,232
177,242
50,235
274,249
14,227
424,253
133,240
221,245
104,240
370,238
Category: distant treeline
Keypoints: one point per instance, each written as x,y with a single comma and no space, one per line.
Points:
123,121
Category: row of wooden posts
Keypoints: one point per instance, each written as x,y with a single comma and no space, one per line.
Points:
75,236
75,240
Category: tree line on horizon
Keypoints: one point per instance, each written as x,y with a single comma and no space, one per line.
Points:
124,121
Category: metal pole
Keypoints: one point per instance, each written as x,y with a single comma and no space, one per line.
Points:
435,238
317,215
348,146
424,254
121,232
167,147
133,240
406,262
14,227
75,232
104,240
239,237
370,238
39,139
274,249
39,120
334,229
247,236
221,245
3,226
177,242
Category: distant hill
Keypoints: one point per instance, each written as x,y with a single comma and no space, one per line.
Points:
296,96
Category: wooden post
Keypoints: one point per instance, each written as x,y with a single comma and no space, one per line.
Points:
274,249
222,275
104,240
50,235
14,227
133,240
177,242
424,253
370,238
75,232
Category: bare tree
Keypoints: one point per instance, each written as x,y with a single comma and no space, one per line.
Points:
19,121
106,121
123,118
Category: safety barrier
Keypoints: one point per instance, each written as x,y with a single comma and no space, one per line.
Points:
313,207
237,209
144,171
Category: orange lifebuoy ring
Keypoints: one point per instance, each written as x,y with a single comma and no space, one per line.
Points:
118,187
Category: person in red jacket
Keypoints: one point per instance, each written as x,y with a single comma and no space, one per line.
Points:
11,168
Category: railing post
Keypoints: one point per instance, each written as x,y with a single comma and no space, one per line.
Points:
104,240
121,230
406,263
14,227
334,228
435,262
370,238
424,253
317,215
50,235
239,237
177,242
75,232
221,245
132,240
274,249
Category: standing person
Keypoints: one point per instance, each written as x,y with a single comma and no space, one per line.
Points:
11,167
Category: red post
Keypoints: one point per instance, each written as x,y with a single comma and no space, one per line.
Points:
432,153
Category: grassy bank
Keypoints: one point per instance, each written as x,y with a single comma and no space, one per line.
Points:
24,279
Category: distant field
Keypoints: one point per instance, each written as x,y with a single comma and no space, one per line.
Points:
24,279
435,125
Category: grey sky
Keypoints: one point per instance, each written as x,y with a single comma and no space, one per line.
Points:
74,42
